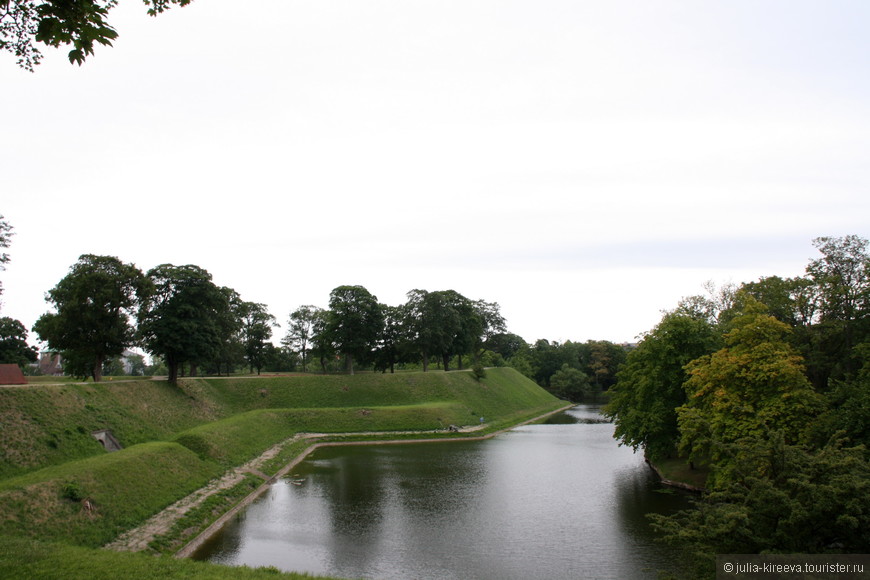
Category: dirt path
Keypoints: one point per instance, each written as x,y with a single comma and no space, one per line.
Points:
138,539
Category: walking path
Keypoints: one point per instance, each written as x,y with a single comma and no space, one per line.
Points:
138,538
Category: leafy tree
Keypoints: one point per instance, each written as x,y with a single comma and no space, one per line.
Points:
13,343
549,357
570,383
793,301
417,312
76,23
751,387
847,415
601,360
182,320
257,326
300,331
5,241
231,352
434,324
781,498
488,323
506,344
469,331
355,322
842,276
321,341
93,305
649,387
390,343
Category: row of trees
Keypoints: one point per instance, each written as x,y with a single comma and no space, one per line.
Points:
440,325
185,319
178,314
767,387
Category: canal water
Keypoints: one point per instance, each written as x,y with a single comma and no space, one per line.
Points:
559,500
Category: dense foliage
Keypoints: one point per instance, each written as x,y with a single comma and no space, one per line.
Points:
93,303
765,387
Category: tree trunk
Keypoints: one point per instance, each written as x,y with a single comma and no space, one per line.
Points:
425,362
348,364
172,370
98,369
460,362
193,369
446,358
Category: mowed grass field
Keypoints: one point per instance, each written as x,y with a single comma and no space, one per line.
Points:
59,486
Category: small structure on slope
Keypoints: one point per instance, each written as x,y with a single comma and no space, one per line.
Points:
11,374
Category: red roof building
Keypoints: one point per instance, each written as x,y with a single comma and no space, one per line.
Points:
11,375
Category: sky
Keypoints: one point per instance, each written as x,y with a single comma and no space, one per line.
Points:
585,164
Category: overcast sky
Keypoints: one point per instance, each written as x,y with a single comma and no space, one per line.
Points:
585,164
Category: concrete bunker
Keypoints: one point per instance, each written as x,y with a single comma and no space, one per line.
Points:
108,440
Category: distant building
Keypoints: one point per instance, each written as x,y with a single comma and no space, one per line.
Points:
50,363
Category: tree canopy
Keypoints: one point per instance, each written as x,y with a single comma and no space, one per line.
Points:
13,343
81,24
355,322
93,304
181,320
650,385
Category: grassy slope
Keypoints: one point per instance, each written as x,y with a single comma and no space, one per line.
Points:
180,437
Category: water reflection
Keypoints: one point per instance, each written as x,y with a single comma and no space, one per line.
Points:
557,500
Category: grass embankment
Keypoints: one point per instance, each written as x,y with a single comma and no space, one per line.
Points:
178,438
26,559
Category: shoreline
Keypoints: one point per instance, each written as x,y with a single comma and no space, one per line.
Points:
190,547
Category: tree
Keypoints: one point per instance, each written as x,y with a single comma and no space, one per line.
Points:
182,320
231,352
570,383
390,342
842,276
601,360
93,305
355,322
489,324
257,326
649,387
782,498
55,23
506,344
300,331
321,342
5,241
753,386
13,343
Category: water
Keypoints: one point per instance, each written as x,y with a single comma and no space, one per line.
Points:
554,501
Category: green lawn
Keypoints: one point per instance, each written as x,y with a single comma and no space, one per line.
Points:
62,493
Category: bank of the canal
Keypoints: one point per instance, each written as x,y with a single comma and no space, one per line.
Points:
58,484
541,500
162,521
